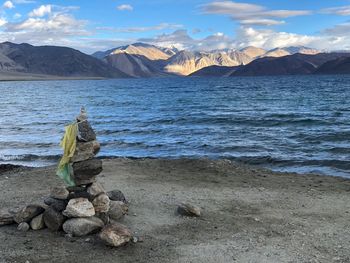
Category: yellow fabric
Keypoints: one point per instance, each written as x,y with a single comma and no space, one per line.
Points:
68,144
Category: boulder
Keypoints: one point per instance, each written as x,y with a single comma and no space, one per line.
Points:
86,133
76,189
123,205
74,195
57,204
78,227
79,207
188,210
115,211
6,218
85,171
59,193
85,151
53,219
115,234
101,203
95,189
116,195
37,222
27,213
23,227
104,217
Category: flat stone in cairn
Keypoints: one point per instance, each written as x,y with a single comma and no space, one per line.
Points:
53,219
27,213
6,218
57,204
85,171
78,227
59,193
116,195
101,203
86,133
37,222
115,211
95,189
85,151
75,195
79,207
115,235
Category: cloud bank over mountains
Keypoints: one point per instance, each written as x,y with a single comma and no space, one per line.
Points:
252,25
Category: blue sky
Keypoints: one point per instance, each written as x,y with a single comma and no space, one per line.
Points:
187,24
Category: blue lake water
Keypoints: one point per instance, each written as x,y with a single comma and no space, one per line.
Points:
295,123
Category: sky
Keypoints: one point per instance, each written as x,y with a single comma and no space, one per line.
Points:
91,25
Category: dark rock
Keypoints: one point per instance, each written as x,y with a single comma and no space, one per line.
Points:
101,203
76,189
116,195
53,219
85,172
79,207
37,222
75,195
115,235
27,213
23,227
188,210
59,193
85,151
86,133
57,204
78,227
104,217
6,218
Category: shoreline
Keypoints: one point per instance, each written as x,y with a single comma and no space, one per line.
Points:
249,214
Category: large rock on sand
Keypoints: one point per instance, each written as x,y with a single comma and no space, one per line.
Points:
116,210
82,226
27,213
57,204
116,195
188,210
79,207
95,189
59,193
85,171
85,151
101,203
53,219
6,218
115,235
37,222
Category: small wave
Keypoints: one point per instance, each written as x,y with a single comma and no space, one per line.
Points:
28,157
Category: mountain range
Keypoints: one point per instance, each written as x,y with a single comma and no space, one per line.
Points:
24,61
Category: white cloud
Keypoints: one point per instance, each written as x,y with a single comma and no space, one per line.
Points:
3,22
340,10
161,26
9,5
41,11
24,1
250,14
125,7
17,16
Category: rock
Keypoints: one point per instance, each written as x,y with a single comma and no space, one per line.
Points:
23,227
79,207
85,151
53,219
115,235
76,189
78,227
104,217
57,204
85,171
116,195
95,189
27,213
123,205
86,133
6,218
37,222
74,195
101,203
115,211
188,210
59,193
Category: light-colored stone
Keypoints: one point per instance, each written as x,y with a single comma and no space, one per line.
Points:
115,235
27,213
24,226
78,227
85,151
59,193
79,207
37,222
115,211
95,189
188,210
101,203
6,218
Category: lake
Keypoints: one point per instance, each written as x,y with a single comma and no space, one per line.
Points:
295,123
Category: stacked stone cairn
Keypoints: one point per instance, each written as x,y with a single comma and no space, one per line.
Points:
83,209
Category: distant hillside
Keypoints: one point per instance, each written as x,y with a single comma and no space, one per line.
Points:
52,61
287,65
337,66
215,71
280,52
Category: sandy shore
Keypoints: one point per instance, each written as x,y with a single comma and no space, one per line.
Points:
249,215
